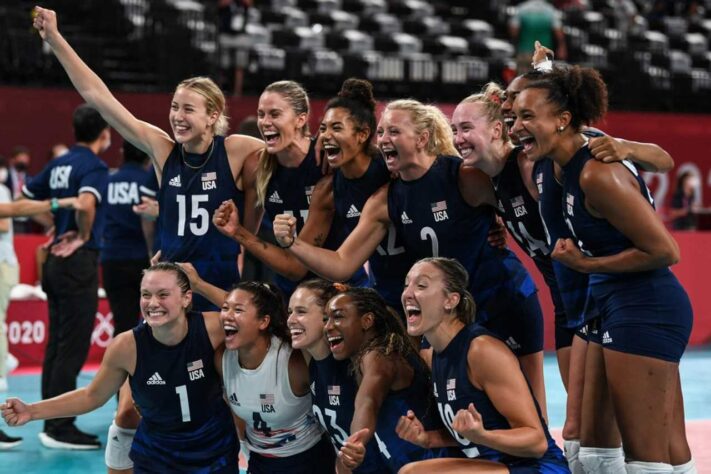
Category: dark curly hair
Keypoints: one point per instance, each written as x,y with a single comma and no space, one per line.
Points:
390,336
356,96
579,90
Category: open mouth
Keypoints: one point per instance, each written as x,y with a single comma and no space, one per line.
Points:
465,151
527,142
413,314
270,138
389,153
230,331
295,332
332,151
335,343
509,122
154,314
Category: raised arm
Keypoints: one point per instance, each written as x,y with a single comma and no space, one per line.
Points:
340,264
214,294
650,156
612,193
494,369
120,357
147,137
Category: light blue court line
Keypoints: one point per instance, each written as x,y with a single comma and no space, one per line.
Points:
31,458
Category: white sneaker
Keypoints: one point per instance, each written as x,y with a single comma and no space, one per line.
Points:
3,384
11,362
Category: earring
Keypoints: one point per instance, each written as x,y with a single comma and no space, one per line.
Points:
448,308
560,129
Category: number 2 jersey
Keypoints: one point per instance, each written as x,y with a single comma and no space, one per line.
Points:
453,392
278,423
185,423
188,197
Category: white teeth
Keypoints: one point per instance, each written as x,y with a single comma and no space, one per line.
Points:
334,338
229,327
296,332
465,152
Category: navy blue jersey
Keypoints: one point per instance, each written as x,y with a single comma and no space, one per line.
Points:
435,221
189,195
333,390
178,393
77,171
418,398
572,285
289,192
390,263
595,236
454,391
123,234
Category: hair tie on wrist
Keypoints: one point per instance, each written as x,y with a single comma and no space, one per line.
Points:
54,204
293,239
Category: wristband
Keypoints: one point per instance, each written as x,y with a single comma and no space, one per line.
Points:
54,204
293,239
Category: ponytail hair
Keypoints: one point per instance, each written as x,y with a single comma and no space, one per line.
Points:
323,290
428,118
268,300
578,90
356,96
456,280
214,100
298,99
491,98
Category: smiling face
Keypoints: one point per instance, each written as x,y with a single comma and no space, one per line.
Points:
240,320
339,137
537,121
306,319
473,132
278,123
189,118
397,138
425,299
162,301
345,329
512,91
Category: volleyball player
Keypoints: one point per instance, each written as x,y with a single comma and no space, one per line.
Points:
626,250
185,425
288,178
438,207
482,396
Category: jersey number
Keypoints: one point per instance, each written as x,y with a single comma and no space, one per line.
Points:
182,392
447,415
429,233
339,435
523,237
199,217
392,249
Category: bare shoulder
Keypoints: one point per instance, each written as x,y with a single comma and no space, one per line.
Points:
214,328
242,145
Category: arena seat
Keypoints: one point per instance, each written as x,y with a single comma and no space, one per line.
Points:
349,40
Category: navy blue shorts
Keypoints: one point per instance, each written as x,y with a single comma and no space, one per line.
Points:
563,337
645,314
319,459
522,329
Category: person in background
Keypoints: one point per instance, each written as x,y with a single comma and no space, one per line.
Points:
70,274
683,211
57,150
536,20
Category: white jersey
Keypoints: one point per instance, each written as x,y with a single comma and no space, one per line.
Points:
278,422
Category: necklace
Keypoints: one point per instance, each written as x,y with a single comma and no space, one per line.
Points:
209,155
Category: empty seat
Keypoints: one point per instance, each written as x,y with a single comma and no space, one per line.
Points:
430,25
696,44
463,70
402,43
375,66
421,67
325,62
336,20
492,48
475,30
594,56
365,8
300,37
405,8
445,45
323,6
349,40
381,23
288,17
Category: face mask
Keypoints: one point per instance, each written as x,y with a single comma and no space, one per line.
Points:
3,175
21,166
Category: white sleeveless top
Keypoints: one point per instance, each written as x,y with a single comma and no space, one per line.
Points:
279,423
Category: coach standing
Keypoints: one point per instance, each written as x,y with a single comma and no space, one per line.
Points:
70,274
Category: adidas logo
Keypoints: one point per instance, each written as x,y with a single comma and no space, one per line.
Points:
606,339
353,212
233,399
405,219
275,198
155,379
511,342
175,181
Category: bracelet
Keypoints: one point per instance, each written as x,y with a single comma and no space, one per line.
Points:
54,204
293,239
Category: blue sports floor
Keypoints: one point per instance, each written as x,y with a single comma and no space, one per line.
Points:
31,458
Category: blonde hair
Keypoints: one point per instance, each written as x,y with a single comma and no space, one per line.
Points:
428,118
298,99
491,98
214,100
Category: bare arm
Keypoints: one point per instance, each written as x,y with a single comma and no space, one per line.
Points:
214,294
494,369
649,156
149,232
214,328
314,233
85,214
476,187
28,207
340,264
379,374
148,138
612,193
120,358
247,182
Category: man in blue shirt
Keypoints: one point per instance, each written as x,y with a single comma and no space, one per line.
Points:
70,274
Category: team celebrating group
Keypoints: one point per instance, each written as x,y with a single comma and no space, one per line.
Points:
429,358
